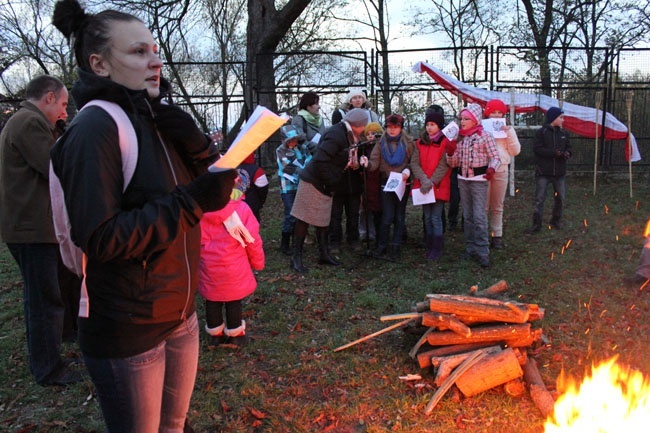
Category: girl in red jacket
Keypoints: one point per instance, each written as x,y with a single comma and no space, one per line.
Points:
231,248
432,145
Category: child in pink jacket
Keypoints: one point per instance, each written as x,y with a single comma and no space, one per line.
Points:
231,247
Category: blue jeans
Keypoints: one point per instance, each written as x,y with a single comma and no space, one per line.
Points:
149,392
432,213
473,199
288,221
42,306
559,187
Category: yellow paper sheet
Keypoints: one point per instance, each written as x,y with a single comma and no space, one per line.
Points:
259,127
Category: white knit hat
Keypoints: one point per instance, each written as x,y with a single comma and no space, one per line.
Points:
356,91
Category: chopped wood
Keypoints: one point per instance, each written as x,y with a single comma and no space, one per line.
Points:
424,358
445,322
475,310
495,289
515,388
374,334
481,334
538,392
440,392
525,340
444,365
491,371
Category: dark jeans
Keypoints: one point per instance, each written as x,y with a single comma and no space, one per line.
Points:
541,186
349,202
42,305
288,221
149,392
393,211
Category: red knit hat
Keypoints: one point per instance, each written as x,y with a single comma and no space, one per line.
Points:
395,120
495,105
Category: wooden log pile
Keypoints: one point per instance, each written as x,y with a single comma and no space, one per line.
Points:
476,342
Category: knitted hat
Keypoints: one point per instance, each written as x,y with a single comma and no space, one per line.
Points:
552,114
495,105
437,118
474,111
395,119
289,133
435,108
356,91
357,117
373,127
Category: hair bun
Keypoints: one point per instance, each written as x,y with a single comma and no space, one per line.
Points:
69,17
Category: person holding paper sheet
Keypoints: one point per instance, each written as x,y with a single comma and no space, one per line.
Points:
336,153
356,98
432,146
508,147
309,121
395,153
291,157
138,328
477,157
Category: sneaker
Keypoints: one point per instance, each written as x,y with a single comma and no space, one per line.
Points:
484,262
497,243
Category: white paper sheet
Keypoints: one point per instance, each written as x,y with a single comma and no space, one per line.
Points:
395,184
420,199
495,127
451,130
259,127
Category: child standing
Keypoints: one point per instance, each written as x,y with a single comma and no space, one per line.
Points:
231,247
291,157
507,147
432,146
477,159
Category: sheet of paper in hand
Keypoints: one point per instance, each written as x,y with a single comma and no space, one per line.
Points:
259,127
395,184
420,199
451,130
495,127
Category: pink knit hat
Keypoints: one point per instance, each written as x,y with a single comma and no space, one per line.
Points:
475,111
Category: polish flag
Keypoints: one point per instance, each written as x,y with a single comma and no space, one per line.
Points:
577,118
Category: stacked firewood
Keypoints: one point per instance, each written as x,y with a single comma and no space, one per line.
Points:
477,342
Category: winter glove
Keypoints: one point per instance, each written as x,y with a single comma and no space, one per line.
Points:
212,190
178,127
425,186
566,154
559,154
451,148
489,173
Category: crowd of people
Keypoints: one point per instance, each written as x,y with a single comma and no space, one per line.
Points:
176,228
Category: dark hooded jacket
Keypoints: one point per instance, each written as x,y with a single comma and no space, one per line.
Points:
142,245
548,141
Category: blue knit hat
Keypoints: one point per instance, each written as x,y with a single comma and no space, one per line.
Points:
552,114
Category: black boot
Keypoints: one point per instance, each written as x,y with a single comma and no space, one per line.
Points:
537,225
436,248
285,245
323,248
296,259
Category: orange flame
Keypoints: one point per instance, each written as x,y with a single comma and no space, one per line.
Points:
646,232
612,399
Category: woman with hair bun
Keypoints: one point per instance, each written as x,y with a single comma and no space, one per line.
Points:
138,330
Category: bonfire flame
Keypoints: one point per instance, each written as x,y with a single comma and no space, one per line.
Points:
612,400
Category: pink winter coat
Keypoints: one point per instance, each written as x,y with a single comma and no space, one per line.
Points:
226,268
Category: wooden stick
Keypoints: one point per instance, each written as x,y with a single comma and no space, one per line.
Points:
374,334
400,316
445,322
598,98
481,334
495,289
419,344
628,103
462,368
424,358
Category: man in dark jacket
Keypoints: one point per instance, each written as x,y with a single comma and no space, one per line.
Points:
552,150
26,223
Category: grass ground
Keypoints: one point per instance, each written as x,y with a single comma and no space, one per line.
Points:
288,379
